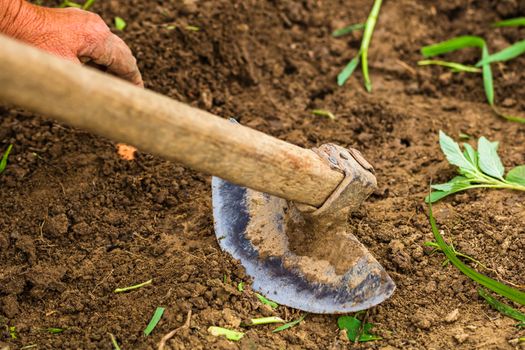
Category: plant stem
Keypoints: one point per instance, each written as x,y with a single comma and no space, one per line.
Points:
367,37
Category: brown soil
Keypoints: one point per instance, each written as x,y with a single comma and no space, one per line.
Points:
77,221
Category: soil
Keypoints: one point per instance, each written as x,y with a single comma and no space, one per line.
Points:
77,221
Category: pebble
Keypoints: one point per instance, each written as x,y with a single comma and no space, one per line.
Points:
461,337
452,316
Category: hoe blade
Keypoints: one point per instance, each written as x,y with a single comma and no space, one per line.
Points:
260,230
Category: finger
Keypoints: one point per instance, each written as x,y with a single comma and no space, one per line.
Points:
114,54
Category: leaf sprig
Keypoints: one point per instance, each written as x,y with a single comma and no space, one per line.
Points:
477,169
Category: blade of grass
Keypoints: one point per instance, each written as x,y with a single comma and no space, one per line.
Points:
456,67
512,22
3,162
495,286
323,113
136,286
154,320
289,324
511,118
265,301
347,30
55,330
487,75
506,54
87,5
347,72
454,44
501,307
114,342
367,37
266,320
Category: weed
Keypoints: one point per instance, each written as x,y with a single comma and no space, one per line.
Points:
265,320
240,287
54,330
478,169
362,55
228,333
501,307
489,283
356,331
289,324
323,113
86,6
265,301
512,22
456,67
3,162
347,30
154,321
120,23
114,342
461,255
136,286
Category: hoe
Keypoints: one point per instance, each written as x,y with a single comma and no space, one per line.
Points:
280,209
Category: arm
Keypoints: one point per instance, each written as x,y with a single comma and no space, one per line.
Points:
73,34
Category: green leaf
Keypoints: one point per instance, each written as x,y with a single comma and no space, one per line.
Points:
154,320
454,155
513,22
265,320
353,329
501,307
454,66
348,70
228,333
506,54
323,113
3,162
471,154
516,175
489,161
458,183
289,324
87,5
120,23
495,286
54,330
347,30
265,301
487,75
452,45
240,286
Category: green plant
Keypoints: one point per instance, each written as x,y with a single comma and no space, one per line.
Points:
86,6
477,169
114,342
154,321
362,55
455,67
289,324
228,333
265,320
347,30
55,330
3,162
461,255
503,308
266,301
513,22
486,58
323,113
120,23
356,331
136,286
489,283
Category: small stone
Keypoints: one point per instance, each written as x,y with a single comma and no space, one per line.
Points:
452,316
445,78
508,102
461,337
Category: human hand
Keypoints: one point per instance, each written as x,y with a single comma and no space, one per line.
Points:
74,34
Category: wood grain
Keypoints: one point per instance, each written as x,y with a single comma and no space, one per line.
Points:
108,106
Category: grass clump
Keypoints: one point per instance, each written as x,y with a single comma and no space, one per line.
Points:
486,59
477,169
362,55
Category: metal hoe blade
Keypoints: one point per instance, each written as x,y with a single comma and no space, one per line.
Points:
299,256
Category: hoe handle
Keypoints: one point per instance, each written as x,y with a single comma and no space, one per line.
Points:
108,106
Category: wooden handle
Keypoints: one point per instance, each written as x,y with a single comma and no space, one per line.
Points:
108,106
